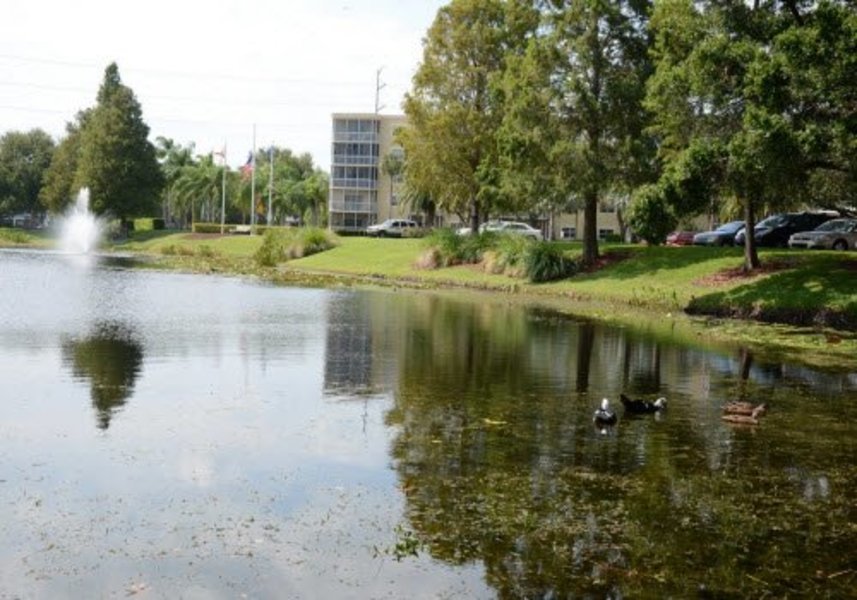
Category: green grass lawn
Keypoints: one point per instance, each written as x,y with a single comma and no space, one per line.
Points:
11,237
185,243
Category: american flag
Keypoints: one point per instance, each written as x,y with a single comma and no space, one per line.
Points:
247,169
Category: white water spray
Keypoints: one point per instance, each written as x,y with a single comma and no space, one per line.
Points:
80,230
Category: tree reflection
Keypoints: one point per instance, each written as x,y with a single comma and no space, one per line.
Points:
110,358
497,467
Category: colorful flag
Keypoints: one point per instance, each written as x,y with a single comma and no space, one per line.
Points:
247,169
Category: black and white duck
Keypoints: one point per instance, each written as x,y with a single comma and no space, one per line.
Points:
604,416
642,406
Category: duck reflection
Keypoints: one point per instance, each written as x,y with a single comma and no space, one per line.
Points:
111,359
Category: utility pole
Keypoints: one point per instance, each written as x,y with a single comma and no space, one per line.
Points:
378,87
270,179
223,193
253,184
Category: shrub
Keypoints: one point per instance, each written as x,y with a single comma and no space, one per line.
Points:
511,253
279,245
206,227
148,224
454,249
650,215
544,261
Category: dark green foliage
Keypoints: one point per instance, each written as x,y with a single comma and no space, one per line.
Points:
650,215
208,227
148,224
24,158
544,261
117,162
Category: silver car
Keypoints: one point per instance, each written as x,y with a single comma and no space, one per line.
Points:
838,234
513,227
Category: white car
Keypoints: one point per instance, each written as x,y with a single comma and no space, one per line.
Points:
838,234
393,228
514,227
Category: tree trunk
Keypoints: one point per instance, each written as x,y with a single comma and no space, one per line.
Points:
590,228
751,256
474,216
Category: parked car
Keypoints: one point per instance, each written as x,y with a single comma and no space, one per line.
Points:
777,229
513,227
722,236
680,238
393,228
837,234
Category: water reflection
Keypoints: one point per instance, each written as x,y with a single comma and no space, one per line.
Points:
110,358
499,463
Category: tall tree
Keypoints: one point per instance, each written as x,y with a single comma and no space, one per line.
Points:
456,104
58,188
768,87
24,159
117,161
173,158
574,124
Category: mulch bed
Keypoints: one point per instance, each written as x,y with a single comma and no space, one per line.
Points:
738,274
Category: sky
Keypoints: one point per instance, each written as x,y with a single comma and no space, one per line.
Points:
206,72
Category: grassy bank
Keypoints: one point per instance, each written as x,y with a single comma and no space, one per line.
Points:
810,297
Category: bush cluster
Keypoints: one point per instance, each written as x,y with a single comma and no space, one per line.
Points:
513,255
280,245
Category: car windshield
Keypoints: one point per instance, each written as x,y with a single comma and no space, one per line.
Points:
837,225
730,227
773,221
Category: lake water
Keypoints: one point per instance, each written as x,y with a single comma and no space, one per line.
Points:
169,435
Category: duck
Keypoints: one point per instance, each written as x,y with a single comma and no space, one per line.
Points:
642,406
604,416
744,408
751,419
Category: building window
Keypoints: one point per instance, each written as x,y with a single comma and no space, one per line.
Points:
568,233
603,234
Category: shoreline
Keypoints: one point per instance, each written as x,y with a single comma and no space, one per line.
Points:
628,295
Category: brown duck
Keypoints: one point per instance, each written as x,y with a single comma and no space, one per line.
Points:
741,419
744,408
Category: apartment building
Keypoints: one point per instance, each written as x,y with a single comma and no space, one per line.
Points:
362,193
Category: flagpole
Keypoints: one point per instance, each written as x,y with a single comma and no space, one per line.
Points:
223,195
253,184
270,179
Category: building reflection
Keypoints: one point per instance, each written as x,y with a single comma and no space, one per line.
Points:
497,459
110,359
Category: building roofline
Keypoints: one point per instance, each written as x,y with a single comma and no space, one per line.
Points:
359,115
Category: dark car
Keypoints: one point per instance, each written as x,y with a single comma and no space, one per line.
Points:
776,230
722,236
680,238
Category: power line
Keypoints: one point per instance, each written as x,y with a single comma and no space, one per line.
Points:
183,74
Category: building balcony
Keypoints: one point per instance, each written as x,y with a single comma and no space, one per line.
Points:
342,206
362,184
353,159
352,136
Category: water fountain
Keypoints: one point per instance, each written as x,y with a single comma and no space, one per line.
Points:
80,230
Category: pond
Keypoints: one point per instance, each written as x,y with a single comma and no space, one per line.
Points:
174,435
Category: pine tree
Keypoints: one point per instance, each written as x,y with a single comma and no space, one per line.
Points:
117,162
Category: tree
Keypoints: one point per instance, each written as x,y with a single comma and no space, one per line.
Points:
574,125
172,158
117,162
198,189
393,165
456,104
58,188
770,87
24,159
